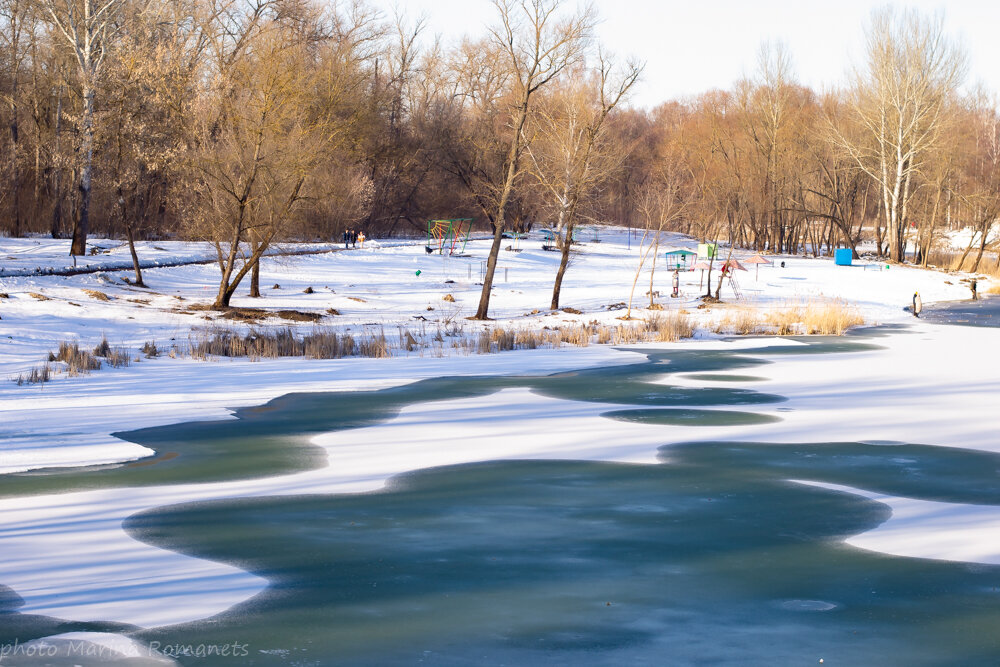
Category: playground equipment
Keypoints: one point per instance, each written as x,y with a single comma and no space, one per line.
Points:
514,236
758,260
707,250
448,234
703,265
729,269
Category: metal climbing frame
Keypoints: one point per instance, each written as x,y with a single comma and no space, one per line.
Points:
448,233
735,286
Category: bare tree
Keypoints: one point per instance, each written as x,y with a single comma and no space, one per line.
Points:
537,45
980,194
573,157
900,99
17,26
277,108
664,202
88,27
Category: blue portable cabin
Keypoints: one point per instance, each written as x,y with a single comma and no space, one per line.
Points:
842,256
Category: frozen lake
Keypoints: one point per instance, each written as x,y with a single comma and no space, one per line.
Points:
707,553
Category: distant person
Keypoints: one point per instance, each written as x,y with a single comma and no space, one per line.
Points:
347,238
361,239
354,238
782,264
975,293
918,305
676,283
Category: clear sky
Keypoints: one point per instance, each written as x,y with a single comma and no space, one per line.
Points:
692,46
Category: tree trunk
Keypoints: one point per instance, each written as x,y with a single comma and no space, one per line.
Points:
982,246
255,276
482,312
82,225
652,269
226,289
131,242
14,166
563,263
499,221
57,213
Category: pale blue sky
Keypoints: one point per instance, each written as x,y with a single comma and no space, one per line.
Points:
693,46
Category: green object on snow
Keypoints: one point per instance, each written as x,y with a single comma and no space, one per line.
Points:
418,272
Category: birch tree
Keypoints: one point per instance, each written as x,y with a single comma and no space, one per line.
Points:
900,100
89,28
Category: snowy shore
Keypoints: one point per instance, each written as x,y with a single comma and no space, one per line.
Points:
67,421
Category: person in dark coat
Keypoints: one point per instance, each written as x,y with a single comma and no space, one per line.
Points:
975,294
354,238
918,305
347,238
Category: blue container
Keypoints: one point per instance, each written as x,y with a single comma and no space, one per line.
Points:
842,256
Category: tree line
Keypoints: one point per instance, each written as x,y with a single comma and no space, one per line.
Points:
246,122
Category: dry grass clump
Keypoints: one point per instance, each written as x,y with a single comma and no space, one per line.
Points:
118,357
37,375
743,322
102,348
376,346
149,349
668,328
832,317
97,294
993,289
39,296
821,318
579,335
499,339
78,362
322,344
255,345
628,334
407,341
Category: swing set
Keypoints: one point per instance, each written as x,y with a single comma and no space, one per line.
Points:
448,234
